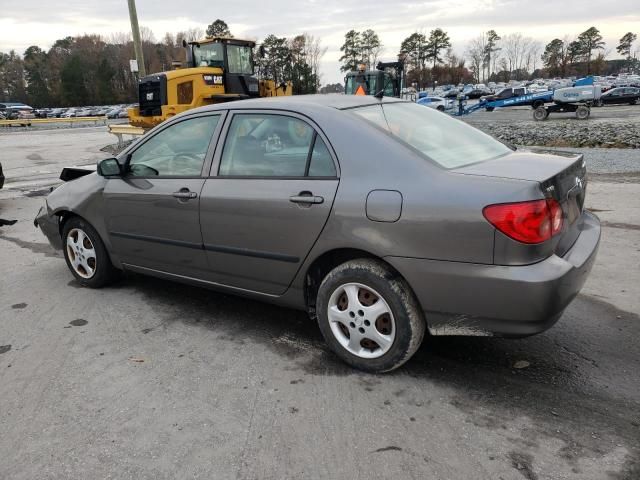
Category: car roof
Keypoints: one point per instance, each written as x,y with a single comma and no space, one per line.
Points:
337,101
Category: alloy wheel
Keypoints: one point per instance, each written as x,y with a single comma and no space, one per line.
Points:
361,320
81,253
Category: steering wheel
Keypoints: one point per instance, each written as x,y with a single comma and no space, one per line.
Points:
182,161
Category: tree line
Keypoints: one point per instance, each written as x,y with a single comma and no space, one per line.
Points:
430,60
94,70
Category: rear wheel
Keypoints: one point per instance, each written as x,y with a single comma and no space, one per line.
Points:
490,109
540,114
440,108
86,255
369,316
583,112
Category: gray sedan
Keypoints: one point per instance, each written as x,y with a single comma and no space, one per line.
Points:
383,219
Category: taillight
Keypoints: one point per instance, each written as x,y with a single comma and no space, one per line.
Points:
535,221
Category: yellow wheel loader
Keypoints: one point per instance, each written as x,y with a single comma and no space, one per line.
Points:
217,70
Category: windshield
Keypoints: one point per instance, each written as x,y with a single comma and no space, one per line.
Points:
239,58
447,141
208,55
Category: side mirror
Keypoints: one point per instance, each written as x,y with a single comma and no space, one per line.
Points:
109,168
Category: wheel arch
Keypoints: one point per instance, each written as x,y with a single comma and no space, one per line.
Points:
65,214
327,261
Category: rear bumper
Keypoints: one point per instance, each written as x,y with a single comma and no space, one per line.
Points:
473,299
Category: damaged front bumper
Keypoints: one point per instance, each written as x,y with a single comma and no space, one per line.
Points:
49,224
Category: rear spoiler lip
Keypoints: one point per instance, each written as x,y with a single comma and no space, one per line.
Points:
71,173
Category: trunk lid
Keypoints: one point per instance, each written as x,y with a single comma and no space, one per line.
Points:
561,175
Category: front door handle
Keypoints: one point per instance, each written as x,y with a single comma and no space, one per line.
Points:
184,194
306,198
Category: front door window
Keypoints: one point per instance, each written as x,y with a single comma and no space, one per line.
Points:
176,151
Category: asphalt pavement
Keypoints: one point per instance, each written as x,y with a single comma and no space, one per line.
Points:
151,379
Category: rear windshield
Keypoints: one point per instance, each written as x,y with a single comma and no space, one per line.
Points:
449,142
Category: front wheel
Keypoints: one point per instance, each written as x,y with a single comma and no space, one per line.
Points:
369,316
86,255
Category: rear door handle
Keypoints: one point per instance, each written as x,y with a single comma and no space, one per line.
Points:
184,194
306,197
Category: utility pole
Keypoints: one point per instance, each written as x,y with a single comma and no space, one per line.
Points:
137,45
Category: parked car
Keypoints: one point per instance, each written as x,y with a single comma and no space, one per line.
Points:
477,93
381,218
439,103
508,92
25,115
71,113
55,113
113,113
123,113
628,95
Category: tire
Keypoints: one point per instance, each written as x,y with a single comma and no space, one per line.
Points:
354,290
540,114
490,109
91,267
583,112
440,108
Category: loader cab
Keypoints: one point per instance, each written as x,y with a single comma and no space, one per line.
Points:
369,83
233,56
385,80
216,70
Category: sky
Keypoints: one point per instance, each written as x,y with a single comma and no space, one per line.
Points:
41,22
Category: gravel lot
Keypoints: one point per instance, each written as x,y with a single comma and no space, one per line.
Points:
609,126
150,379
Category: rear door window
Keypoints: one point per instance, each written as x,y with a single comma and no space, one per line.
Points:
271,145
321,164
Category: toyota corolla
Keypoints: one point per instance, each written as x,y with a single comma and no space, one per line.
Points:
383,219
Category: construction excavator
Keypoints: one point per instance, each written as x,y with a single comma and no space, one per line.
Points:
216,70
